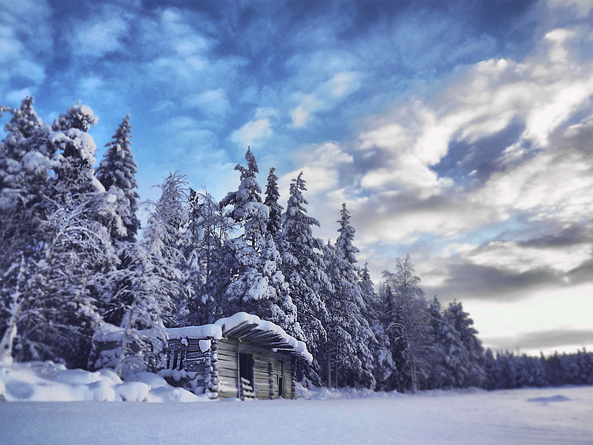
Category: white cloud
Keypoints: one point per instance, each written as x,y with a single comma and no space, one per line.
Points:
101,34
24,48
252,132
512,256
325,97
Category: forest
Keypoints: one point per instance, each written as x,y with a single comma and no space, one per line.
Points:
74,258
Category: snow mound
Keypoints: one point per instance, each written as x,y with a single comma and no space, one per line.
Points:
51,382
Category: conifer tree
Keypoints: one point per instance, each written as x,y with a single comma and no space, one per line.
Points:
373,310
118,169
259,286
471,353
409,325
53,308
271,201
348,329
75,150
303,267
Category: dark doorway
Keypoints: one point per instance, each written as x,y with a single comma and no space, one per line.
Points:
246,367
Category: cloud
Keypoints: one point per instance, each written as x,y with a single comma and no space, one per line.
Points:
24,49
102,34
320,167
546,339
210,102
325,97
252,132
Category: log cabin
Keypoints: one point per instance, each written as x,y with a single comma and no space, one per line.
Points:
240,356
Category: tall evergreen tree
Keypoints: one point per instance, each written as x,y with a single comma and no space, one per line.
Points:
372,311
471,363
162,240
118,169
63,254
409,326
258,285
348,329
303,267
271,201
75,150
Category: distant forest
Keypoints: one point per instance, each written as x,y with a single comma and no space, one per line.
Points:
74,258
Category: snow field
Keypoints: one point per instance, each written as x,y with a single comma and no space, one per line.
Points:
524,416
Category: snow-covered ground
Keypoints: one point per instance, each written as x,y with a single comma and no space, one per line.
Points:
551,415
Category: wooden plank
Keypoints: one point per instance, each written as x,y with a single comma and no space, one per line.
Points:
239,330
227,345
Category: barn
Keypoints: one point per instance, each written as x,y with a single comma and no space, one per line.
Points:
240,356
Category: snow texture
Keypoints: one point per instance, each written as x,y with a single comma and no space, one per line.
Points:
468,416
50,382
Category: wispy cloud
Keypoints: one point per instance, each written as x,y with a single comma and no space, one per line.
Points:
252,132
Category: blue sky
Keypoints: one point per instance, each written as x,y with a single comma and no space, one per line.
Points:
458,132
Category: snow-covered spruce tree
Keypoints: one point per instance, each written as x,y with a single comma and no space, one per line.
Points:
349,333
54,315
409,325
53,311
203,244
373,312
271,201
163,236
447,352
153,295
24,182
491,371
75,150
118,169
303,267
472,366
258,284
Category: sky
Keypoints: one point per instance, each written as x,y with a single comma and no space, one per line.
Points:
460,133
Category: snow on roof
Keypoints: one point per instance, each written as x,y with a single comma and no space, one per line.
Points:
241,326
197,332
246,327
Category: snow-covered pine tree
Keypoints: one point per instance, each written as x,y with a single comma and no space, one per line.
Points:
348,329
75,150
118,169
303,267
258,285
275,209
373,310
441,374
162,240
24,182
348,332
62,255
54,310
409,325
203,246
472,362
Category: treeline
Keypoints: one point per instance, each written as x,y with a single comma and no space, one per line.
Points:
74,261
508,371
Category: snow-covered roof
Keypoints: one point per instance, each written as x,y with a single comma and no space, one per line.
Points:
246,328
241,326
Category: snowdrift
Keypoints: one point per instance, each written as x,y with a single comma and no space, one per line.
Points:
51,382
